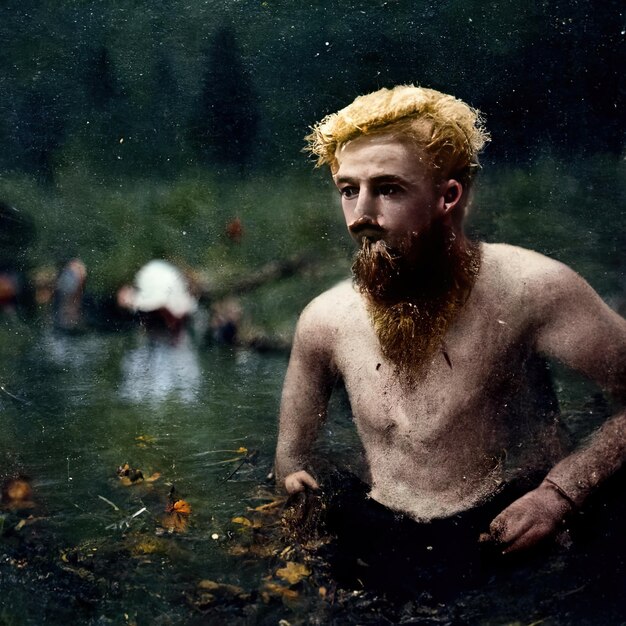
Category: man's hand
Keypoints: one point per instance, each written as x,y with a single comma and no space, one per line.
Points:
299,481
528,520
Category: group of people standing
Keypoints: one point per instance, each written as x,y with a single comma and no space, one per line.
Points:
162,297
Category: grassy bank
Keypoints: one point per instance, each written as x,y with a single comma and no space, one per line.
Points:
571,211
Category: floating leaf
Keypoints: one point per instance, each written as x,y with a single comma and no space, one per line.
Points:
271,590
270,506
211,585
145,438
129,475
293,572
182,507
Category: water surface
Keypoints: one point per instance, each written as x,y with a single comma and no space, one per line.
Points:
74,407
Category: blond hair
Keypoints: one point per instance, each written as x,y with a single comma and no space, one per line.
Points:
450,132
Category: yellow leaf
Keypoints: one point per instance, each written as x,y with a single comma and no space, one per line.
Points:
211,585
270,505
274,589
244,521
182,507
147,546
293,572
146,438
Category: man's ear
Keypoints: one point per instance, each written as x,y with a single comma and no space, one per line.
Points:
451,193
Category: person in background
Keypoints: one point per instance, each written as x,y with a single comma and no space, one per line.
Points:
160,296
68,296
17,233
225,321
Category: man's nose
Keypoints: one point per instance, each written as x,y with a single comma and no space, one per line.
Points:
365,205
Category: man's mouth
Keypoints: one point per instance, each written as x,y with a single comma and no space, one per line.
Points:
362,229
370,235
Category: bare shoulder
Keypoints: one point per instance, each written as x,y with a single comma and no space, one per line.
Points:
330,306
536,278
569,320
544,293
324,315
523,263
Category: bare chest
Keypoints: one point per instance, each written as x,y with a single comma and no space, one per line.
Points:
468,384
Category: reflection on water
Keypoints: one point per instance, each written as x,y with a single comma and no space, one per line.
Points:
72,351
78,406
200,425
160,368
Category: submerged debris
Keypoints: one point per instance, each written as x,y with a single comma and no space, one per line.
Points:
177,512
272,590
250,458
210,595
143,441
131,476
125,523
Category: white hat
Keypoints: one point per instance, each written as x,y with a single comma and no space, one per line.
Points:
160,285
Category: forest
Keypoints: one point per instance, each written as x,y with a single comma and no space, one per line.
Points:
138,129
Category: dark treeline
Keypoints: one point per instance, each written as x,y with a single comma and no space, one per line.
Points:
149,87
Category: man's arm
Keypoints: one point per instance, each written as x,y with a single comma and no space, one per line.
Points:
577,328
306,391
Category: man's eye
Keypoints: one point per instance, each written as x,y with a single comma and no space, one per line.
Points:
349,192
388,190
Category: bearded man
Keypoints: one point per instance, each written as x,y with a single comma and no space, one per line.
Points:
441,343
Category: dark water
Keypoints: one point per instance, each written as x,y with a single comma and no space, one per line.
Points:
75,407
85,405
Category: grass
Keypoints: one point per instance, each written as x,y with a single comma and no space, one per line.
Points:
572,211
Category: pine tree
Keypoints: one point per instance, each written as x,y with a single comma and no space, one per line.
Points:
227,120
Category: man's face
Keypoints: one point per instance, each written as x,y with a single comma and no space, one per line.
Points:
387,189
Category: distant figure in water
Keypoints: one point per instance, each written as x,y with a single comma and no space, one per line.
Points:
164,364
17,233
441,344
161,296
226,317
69,290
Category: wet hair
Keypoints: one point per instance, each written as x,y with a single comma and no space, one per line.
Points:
451,133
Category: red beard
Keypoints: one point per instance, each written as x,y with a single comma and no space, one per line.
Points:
413,294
